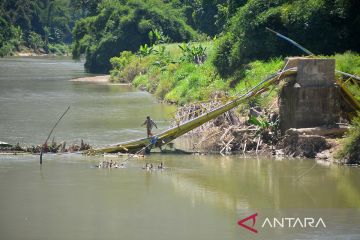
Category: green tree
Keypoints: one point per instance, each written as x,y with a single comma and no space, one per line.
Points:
85,7
55,18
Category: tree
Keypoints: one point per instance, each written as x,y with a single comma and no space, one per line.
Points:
86,7
55,18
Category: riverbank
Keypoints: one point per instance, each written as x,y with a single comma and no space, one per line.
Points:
233,133
175,76
101,79
54,50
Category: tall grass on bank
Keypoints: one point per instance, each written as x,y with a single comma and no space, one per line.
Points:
166,74
169,75
166,71
349,62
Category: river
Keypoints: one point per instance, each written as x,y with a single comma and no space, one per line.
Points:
195,197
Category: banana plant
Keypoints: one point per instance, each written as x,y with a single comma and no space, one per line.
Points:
145,50
192,53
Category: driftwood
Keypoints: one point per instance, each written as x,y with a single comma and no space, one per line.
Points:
52,148
320,131
229,132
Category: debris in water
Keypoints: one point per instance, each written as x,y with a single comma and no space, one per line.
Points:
111,164
53,147
150,166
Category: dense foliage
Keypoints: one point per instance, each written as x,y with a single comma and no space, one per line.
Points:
125,25
101,29
42,25
323,26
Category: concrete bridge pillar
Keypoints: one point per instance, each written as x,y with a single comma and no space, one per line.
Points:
311,98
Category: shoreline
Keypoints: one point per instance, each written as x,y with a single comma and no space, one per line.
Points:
100,79
93,79
33,54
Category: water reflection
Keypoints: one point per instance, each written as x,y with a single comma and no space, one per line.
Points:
234,183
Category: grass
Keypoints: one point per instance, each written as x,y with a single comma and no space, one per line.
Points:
349,62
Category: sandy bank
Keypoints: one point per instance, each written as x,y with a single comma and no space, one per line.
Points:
95,79
29,54
102,79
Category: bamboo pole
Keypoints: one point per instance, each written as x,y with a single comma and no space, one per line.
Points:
45,143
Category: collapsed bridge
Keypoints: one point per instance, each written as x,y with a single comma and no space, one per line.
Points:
312,69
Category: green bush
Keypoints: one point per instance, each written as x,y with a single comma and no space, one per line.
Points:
350,146
35,41
128,66
11,38
119,63
6,50
59,49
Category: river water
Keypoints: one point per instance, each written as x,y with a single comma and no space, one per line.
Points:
195,197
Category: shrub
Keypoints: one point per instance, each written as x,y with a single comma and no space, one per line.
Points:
128,66
119,63
350,147
59,49
35,41
11,38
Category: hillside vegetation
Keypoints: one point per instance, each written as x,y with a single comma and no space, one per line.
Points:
125,25
41,25
101,29
174,74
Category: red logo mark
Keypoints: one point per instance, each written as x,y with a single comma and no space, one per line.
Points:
242,221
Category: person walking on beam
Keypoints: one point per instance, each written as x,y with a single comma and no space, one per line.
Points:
149,125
